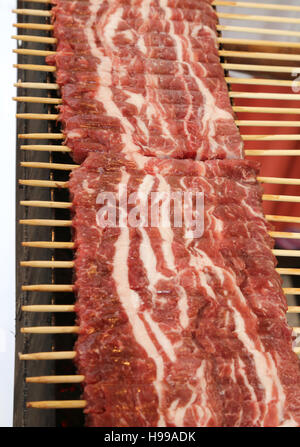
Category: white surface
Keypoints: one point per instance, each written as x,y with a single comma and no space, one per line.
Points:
7,224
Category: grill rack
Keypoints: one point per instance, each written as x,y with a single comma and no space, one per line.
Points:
46,305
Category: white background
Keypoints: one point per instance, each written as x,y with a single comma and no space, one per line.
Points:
7,220
7,191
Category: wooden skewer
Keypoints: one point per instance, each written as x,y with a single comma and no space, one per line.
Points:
68,223
293,310
287,137
261,68
261,81
38,26
243,29
226,66
38,39
37,1
264,43
285,219
45,147
60,355
56,379
249,152
272,152
33,67
260,55
37,116
278,96
44,183
228,79
291,291
37,85
33,12
50,330
38,100
49,308
48,264
46,204
48,288
291,253
224,53
58,166
288,271
258,18
56,404
279,181
284,235
253,30
50,244
55,184
280,198
46,222
26,52
42,136
247,5
281,110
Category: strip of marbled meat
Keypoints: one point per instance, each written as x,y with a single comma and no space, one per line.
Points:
143,77
180,331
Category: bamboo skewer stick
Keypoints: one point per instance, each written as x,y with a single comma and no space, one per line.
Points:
71,308
255,30
272,152
44,183
36,26
56,379
42,136
37,116
37,39
287,137
224,53
281,110
234,28
46,204
33,67
71,329
48,264
46,222
49,308
33,12
57,404
48,288
263,43
50,244
262,81
69,167
38,100
251,95
27,52
42,165
70,264
260,55
68,223
228,79
60,355
288,271
279,181
249,152
280,198
56,184
258,18
37,85
50,330
248,5
45,147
